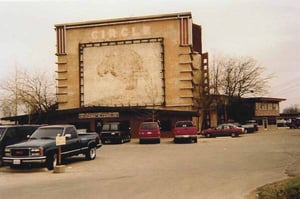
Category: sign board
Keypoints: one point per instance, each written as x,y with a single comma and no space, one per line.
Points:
60,140
98,115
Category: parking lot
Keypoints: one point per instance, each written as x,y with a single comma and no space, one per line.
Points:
221,167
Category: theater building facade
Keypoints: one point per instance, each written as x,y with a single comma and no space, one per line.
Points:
131,69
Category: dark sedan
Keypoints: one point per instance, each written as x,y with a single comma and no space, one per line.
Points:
223,130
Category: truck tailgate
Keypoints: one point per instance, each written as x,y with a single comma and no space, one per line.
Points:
185,131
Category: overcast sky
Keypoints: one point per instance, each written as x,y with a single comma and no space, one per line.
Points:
267,30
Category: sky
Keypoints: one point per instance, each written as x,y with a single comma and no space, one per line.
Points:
267,30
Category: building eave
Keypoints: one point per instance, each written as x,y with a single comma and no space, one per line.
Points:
99,109
126,20
264,99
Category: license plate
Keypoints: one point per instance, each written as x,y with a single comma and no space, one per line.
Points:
16,161
149,133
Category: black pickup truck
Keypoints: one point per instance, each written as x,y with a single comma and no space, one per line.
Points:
12,134
41,148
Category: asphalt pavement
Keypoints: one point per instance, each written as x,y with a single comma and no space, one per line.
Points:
221,167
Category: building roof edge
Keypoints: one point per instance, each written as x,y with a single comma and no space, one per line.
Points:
124,20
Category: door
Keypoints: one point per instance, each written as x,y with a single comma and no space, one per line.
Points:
72,146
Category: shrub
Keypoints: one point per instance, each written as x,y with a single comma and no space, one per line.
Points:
286,189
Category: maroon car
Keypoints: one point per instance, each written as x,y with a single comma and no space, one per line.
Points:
149,131
223,130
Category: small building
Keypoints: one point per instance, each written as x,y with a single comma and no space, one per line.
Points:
265,110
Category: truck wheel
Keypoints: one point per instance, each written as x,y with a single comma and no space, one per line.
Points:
129,138
51,161
91,153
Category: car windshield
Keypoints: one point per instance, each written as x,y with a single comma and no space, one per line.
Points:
47,133
219,127
184,124
148,126
234,126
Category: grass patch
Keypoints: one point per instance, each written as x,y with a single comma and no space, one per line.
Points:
286,189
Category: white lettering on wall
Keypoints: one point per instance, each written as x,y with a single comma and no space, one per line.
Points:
112,33
125,32
94,35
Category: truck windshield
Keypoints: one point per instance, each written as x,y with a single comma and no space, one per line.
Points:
184,124
47,133
2,130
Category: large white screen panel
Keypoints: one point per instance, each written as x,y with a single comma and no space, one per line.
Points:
122,75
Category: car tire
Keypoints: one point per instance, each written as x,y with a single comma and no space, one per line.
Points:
91,153
51,161
233,135
208,135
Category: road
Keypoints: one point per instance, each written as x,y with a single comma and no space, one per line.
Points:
222,167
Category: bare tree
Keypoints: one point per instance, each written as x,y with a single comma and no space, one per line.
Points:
7,106
214,76
293,109
237,76
28,93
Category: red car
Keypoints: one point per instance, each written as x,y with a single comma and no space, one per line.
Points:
149,131
223,130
